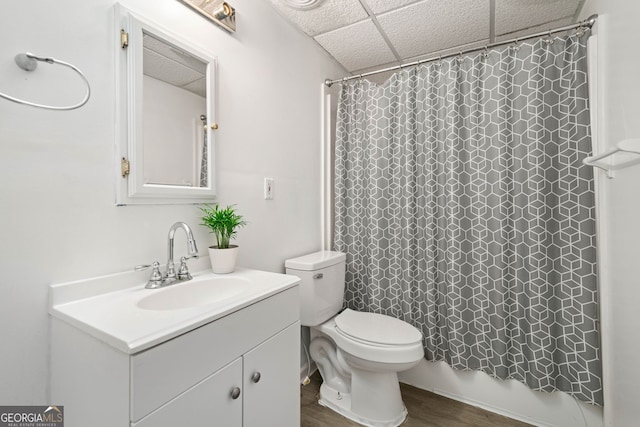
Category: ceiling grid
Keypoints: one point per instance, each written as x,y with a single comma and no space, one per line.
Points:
366,34
382,33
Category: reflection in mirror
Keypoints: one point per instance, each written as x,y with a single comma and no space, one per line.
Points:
166,113
174,119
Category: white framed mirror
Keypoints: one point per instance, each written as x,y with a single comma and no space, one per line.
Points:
165,109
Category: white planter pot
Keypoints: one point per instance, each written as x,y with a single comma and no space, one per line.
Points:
223,260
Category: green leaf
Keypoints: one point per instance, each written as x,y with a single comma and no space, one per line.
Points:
223,223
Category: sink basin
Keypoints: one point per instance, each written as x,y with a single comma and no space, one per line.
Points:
194,294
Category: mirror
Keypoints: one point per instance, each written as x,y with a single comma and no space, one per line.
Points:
165,111
174,110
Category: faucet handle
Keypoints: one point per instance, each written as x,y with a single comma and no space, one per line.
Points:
183,271
141,267
155,281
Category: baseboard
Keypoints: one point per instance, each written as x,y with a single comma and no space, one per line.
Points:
491,408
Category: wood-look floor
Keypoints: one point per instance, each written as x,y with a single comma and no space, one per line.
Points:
426,409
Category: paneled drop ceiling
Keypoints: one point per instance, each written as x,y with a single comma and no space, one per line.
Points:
369,34
174,66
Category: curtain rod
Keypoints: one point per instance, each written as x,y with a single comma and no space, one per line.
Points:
587,23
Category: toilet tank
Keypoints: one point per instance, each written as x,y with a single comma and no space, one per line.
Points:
321,286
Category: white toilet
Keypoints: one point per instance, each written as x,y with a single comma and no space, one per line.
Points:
358,354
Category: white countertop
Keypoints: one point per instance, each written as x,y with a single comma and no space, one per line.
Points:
107,308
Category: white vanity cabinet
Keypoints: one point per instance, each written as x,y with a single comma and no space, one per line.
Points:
206,404
251,391
188,380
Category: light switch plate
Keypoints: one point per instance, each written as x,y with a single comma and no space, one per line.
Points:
268,188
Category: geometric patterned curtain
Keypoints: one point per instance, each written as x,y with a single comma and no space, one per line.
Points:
464,209
204,161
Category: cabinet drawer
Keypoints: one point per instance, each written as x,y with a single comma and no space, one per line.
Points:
169,369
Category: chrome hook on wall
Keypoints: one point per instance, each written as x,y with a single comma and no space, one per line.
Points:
29,62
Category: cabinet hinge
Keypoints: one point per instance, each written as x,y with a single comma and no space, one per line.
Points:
124,39
124,167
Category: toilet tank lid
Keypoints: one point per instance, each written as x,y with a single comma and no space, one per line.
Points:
315,261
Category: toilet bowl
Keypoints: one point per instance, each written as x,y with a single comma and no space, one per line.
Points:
369,358
358,354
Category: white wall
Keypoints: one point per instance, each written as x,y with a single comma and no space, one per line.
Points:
619,118
57,195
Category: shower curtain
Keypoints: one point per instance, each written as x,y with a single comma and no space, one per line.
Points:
204,161
464,209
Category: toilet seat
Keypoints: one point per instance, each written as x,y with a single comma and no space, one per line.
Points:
376,329
364,348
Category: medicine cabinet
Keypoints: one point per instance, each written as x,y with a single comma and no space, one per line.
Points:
166,91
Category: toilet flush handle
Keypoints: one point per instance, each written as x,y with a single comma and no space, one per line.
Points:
318,276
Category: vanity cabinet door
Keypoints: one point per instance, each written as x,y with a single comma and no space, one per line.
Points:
207,404
272,381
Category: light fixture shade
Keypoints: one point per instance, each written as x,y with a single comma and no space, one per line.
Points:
218,11
303,4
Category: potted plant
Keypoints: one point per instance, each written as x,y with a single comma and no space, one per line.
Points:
223,223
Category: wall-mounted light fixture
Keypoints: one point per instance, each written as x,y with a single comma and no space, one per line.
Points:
218,11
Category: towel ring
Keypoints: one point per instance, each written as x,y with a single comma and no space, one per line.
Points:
29,62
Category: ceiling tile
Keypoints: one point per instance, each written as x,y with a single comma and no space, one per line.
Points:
199,87
376,68
434,25
381,6
172,72
448,51
357,46
173,53
328,16
533,30
513,15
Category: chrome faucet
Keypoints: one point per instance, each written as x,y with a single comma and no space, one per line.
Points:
158,279
183,274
